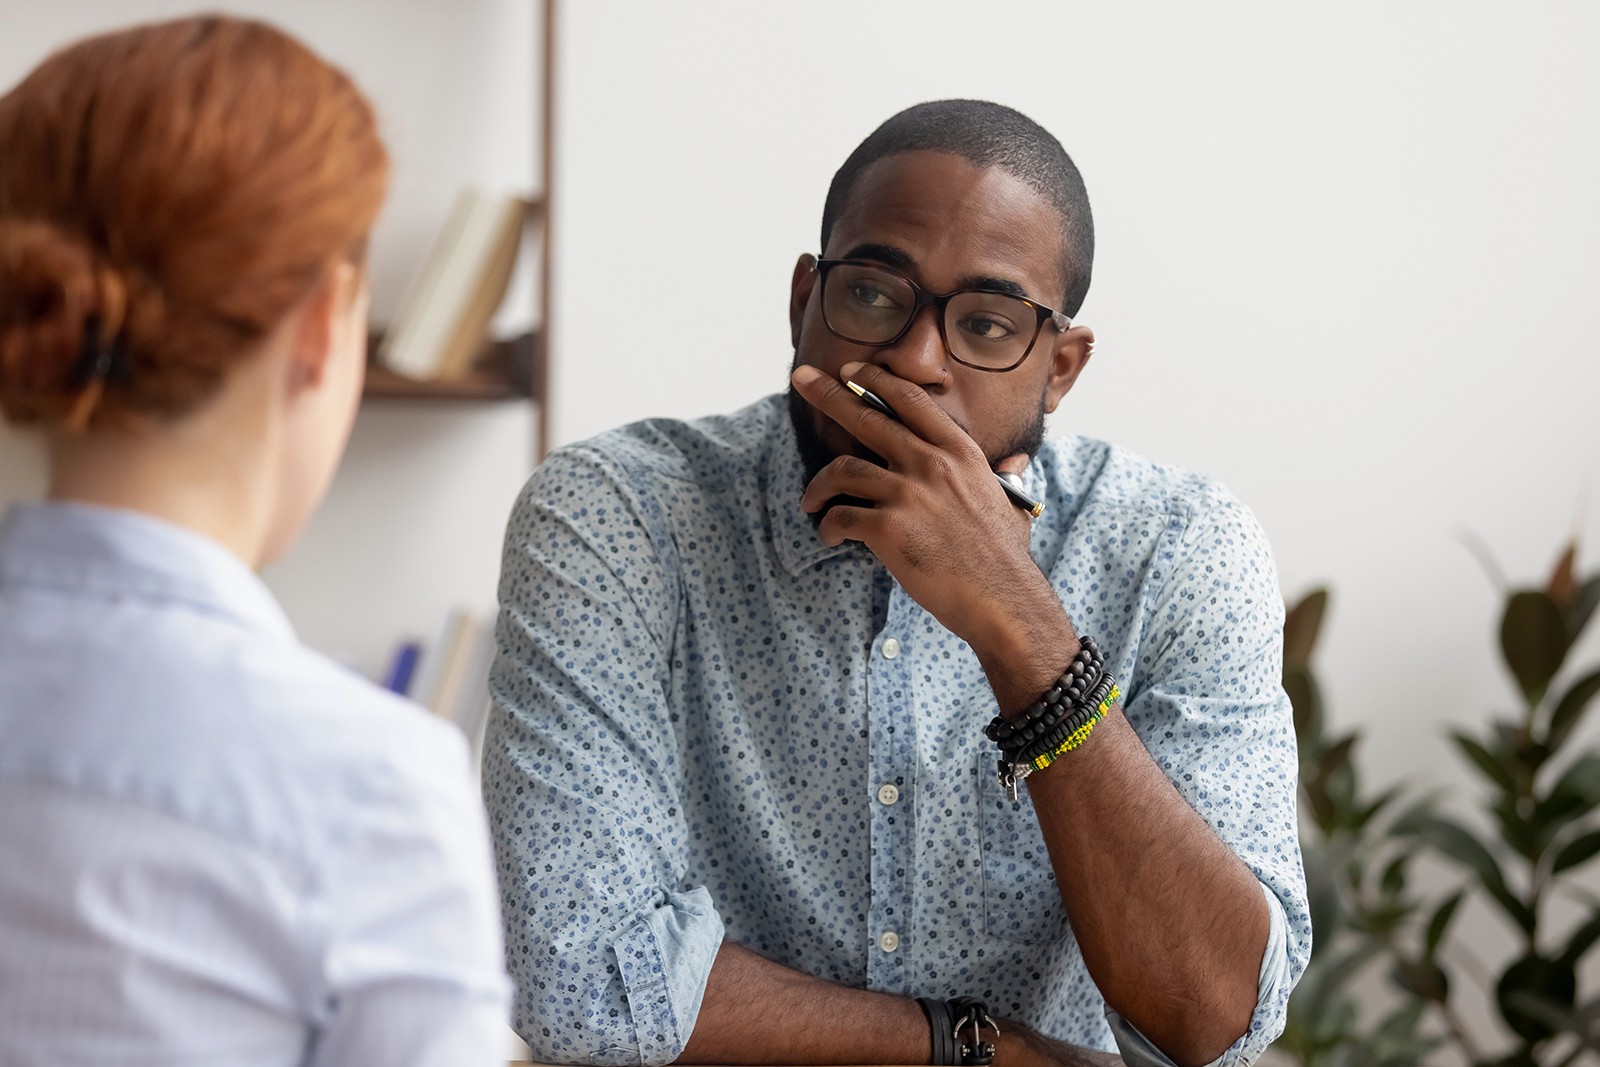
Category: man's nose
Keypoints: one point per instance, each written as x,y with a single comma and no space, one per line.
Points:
919,356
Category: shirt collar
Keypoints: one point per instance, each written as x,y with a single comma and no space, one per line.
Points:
88,549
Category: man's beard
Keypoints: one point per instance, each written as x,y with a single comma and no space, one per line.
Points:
815,453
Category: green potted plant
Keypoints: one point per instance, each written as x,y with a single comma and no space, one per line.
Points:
1541,791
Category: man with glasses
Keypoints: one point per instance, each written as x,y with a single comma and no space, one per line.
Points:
781,695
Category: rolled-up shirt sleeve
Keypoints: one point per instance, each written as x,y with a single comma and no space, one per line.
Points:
609,943
1209,705
1275,982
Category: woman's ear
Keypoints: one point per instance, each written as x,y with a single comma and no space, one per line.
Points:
320,325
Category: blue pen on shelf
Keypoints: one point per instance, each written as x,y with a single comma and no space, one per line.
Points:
398,680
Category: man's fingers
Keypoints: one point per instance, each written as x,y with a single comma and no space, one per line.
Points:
1016,463
848,476
877,431
915,408
845,522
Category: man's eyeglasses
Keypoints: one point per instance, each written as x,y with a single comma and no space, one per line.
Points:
871,305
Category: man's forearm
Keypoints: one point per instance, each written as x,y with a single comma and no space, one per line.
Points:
756,1011
1172,925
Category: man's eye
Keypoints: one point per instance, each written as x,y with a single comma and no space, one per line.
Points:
868,295
988,327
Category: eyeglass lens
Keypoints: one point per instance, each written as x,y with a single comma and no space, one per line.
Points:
872,306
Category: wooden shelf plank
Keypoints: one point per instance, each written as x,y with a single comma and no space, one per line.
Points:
505,371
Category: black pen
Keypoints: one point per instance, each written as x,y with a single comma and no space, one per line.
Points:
1011,483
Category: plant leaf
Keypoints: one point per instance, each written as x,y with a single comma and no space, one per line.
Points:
1522,834
1383,800
1417,814
1459,844
1570,708
1301,624
1564,1021
1579,850
1583,606
1563,585
1327,977
1485,761
1393,880
1440,922
1322,889
1580,781
1306,700
1323,812
1421,978
1533,639
1530,990
1336,756
1582,939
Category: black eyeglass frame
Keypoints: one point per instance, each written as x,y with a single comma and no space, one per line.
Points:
937,301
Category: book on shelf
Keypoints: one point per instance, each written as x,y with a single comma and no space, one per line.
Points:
443,318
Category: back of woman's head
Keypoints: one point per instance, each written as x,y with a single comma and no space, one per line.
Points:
168,193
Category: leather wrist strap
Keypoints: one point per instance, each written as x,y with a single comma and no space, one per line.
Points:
942,1027
971,1020
957,1027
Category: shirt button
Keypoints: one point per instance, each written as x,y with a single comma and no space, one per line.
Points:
891,648
889,941
888,794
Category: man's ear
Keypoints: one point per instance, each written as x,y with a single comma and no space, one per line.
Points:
1067,360
800,286
316,331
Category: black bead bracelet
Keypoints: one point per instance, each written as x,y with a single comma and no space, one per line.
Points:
1070,723
1066,692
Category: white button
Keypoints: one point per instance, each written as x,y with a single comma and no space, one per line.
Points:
891,648
889,941
888,794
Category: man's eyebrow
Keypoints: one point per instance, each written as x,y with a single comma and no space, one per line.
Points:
888,255
994,285
895,258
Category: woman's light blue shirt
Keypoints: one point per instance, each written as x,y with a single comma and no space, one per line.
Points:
217,846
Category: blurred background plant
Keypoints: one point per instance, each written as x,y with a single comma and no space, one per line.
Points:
1541,792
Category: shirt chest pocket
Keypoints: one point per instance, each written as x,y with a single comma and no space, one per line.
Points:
1021,901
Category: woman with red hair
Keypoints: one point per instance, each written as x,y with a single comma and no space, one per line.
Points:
216,846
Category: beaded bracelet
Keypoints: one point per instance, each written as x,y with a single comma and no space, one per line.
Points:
1058,722
1060,711
1066,724
1079,735
1034,742
1075,682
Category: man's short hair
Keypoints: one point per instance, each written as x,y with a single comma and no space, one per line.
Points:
985,135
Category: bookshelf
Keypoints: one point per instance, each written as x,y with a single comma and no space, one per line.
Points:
516,369
505,370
